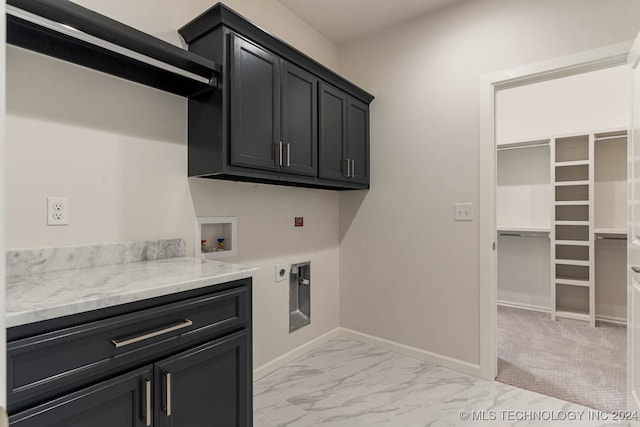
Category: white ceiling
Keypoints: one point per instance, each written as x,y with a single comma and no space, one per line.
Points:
344,20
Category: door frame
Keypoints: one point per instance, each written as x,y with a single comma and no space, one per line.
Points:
3,364
591,60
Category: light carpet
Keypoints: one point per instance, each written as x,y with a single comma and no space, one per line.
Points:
570,361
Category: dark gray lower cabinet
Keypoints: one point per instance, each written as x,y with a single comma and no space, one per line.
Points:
204,384
120,402
182,360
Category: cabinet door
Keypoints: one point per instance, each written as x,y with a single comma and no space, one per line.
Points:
333,133
299,119
205,386
358,140
122,401
255,106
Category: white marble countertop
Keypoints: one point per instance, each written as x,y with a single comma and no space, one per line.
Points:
35,297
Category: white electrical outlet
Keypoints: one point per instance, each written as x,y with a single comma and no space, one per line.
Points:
463,211
282,272
57,211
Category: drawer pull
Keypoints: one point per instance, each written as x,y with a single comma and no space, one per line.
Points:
147,389
121,343
167,380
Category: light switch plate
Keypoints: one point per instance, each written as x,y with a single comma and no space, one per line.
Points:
463,212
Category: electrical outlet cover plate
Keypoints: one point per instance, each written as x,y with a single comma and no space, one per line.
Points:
57,211
282,272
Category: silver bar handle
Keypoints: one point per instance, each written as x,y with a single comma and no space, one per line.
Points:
280,153
121,343
348,168
167,380
353,168
635,269
147,397
288,154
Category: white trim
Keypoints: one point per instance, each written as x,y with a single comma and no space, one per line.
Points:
416,353
611,319
521,306
596,59
3,285
541,309
280,361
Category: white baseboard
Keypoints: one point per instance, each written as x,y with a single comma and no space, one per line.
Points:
609,319
416,353
524,306
278,362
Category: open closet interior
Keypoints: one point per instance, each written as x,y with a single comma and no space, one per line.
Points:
561,198
561,217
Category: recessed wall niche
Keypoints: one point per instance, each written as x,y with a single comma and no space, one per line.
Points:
215,237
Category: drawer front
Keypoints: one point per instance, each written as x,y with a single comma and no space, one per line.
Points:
62,360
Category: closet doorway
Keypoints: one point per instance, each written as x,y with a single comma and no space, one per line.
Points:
561,221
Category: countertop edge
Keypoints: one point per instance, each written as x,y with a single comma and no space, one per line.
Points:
57,311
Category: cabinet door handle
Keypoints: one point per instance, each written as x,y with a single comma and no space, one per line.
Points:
353,168
348,168
288,154
280,153
147,405
167,390
121,343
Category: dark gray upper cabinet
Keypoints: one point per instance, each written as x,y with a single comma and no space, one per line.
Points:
333,133
255,105
358,140
299,120
267,121
344,136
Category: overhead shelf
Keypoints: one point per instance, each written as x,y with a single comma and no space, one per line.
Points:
67,31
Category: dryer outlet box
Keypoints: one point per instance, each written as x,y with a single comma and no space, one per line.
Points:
282,272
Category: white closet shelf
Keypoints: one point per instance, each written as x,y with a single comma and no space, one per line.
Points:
616,231
573,282
572,262
572,202
523,144
572,223
572,242
571,183
523,229
574,315
572,163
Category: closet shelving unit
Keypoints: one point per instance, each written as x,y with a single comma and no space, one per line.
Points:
572,249
587,205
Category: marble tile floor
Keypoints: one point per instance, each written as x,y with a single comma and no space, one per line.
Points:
348,383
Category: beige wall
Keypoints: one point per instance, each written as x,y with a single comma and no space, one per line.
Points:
408,272
118,151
